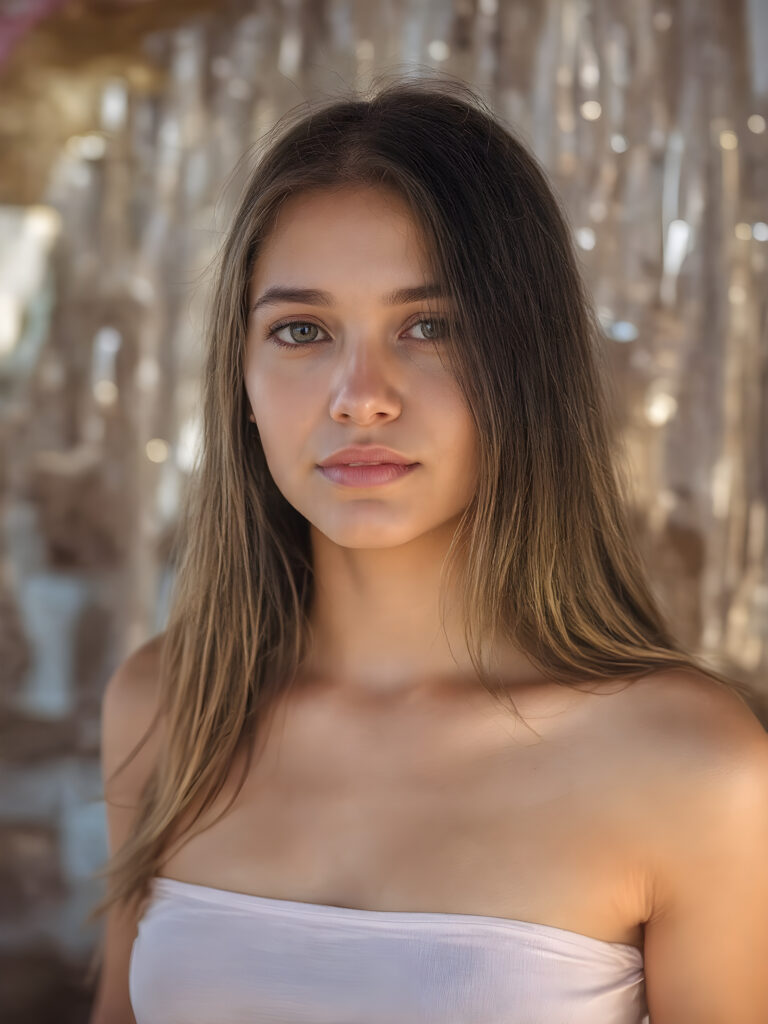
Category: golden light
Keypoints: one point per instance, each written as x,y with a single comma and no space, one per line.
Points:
591,110
105,392
729,139
157,449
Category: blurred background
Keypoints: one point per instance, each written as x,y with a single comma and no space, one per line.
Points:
125,132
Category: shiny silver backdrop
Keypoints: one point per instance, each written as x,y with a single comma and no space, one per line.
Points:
125,134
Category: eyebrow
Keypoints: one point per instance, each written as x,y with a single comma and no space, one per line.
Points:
316,297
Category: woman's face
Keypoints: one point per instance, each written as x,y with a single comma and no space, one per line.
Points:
356,369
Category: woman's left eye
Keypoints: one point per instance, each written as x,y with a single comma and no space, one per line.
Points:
442,328
437,329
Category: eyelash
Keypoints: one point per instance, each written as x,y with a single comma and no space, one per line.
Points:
271,334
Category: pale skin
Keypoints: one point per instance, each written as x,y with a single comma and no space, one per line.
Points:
390,780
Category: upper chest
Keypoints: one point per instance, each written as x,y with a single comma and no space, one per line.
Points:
447,808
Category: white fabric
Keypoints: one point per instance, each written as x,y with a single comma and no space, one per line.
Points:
211,956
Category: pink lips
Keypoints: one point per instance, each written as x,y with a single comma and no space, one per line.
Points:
366,453
366,476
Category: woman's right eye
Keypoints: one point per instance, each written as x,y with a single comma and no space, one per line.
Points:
272,334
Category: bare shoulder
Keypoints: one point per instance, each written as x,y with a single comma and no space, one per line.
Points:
704,836
684,743
129,708
137,673
687,715
702,756
129,747
133,686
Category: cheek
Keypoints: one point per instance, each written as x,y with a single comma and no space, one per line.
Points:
460,441
466,451
451,420
284,411
269,394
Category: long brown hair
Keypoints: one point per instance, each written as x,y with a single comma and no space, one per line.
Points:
545,553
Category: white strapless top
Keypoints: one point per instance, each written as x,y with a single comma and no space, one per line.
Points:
212,956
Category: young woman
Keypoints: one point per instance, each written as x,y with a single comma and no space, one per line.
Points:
416,744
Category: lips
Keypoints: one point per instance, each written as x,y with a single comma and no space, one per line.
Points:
370,475
368,455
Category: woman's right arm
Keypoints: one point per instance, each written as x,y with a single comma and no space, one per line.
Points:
128,707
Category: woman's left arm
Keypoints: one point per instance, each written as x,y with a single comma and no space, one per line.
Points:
706,941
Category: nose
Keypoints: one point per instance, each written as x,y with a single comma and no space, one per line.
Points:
364,390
